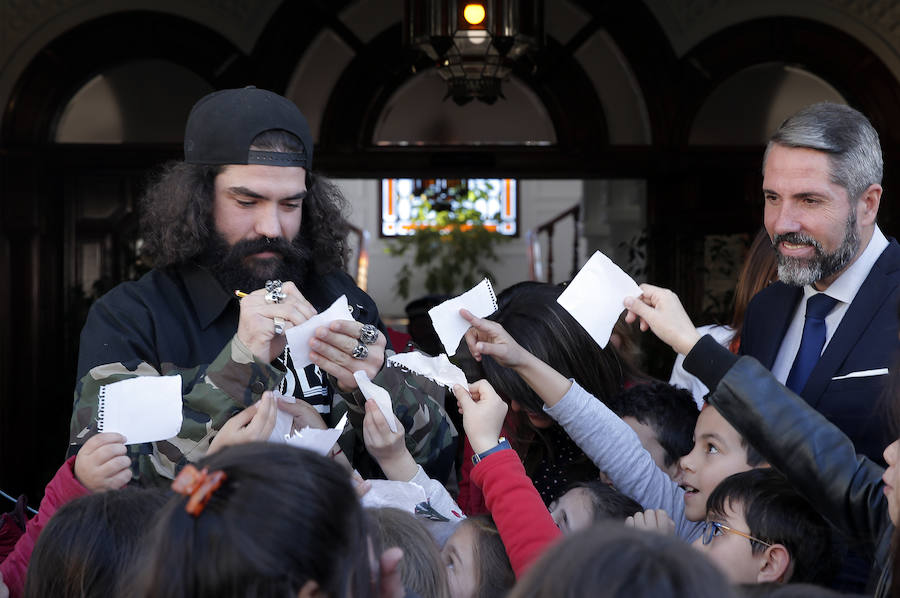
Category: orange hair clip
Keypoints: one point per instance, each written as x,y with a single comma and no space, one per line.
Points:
199,485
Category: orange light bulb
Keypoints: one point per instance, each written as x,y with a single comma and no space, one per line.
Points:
473,14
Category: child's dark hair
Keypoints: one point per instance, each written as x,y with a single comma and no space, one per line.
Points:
776,513
495,574
609,560
530,313
90,541
670,411
608,502
282,518
754,457
422,568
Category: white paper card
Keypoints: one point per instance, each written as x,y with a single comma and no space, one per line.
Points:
298,337
437,368
143,409
595,295
450,326
284,421
399,495
381,397
318,441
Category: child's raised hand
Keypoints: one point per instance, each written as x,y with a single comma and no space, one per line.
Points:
661,311
103,462
304,414
256,422
486,337
386,447
483,414
652,520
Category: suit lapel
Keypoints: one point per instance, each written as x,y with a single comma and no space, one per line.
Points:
779,305
875,290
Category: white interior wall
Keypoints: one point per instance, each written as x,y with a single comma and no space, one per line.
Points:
539,201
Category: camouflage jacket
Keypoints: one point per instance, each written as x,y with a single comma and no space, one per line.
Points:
181,321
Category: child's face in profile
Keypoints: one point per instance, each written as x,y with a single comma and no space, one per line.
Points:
717,454
459,558
891,479
650,442
573,511
731,552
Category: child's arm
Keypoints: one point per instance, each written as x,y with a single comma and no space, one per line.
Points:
389,450
525,525
102,464
607,440
490,338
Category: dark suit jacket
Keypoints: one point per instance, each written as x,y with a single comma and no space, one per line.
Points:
866,339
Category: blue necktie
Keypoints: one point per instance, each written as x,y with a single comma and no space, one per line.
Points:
817,307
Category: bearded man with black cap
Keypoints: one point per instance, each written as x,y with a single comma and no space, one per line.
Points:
242,212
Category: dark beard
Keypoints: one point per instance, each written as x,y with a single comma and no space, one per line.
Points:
234,272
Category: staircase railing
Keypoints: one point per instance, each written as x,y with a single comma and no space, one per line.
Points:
533,239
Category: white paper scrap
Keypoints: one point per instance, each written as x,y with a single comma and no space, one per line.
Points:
437,368
143,409
298,337
450,326
381,397
595,295
318,441
284,421
388,493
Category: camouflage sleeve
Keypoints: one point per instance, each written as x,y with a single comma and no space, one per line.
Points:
212,393
419,405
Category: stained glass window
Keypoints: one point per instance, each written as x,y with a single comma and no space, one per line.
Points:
407,204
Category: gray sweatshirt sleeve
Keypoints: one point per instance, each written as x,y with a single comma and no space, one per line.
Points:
616,449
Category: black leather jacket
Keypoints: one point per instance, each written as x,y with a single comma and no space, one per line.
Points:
817,458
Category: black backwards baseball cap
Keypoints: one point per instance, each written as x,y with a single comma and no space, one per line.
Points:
222,125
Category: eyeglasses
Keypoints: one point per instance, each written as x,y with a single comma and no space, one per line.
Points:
713,529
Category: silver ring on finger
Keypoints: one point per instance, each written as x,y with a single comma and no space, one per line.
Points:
279,325
368,334
360,351
274,292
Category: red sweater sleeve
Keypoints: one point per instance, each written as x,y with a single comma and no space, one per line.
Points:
61,489
524,523
470,500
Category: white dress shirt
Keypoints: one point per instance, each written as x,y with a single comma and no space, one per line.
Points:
843,289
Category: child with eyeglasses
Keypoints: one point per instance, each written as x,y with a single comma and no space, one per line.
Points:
759,529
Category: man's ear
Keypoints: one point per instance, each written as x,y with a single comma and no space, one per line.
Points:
310,589
870,200
776,565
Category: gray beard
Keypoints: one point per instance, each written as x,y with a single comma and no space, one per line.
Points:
800,272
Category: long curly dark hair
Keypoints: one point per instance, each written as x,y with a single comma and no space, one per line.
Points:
177,211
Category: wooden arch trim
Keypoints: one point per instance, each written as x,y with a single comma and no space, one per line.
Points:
383,65
71,60
838,58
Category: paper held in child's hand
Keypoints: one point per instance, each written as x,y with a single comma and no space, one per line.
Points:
284,421
381,397
437,368
318,441
142,409
298,337
450,326
595,295
388,493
